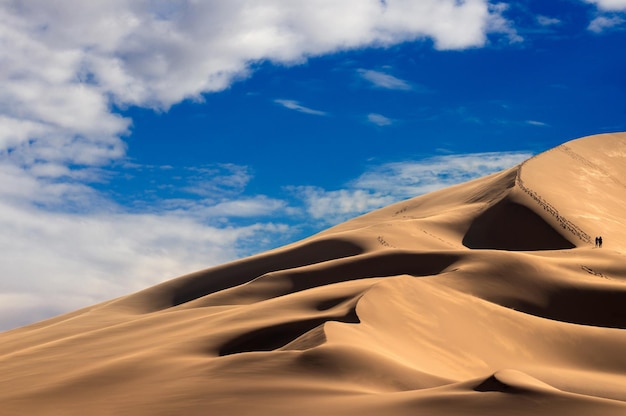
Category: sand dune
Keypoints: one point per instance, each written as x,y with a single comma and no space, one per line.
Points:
485,298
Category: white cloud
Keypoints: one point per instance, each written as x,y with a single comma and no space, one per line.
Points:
57,262
407,179
607,20
602,23
65,245
536,123
66,63
254,207
548,21
498,24
610,5
383,80
294,105
379,119
332,207
392,182
31,187
221,179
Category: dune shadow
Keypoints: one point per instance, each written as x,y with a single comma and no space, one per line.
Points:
584,306
371,265
273,337
510,226
332,302
213,280
493,384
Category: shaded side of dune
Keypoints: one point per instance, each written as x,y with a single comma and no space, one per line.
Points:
508,225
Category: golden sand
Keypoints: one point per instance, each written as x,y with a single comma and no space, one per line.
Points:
485,298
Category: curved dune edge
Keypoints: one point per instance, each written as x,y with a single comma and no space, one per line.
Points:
484,298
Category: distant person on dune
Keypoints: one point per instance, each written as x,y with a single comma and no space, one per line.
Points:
597,241
600,241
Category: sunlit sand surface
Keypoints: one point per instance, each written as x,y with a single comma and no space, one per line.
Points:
485,298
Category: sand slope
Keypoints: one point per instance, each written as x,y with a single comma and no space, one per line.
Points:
486,298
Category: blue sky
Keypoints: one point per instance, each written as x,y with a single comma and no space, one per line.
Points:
144,139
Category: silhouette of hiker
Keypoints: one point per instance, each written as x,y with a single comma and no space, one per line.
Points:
597,241
600,241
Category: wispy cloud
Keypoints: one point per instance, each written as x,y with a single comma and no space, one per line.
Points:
603,23
219,179
411,178
537,123
332,207
548,21
379,119
384,184
466,115
383,80
610,15
294,105
499,24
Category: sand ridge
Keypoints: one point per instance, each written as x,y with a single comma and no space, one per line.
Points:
485,298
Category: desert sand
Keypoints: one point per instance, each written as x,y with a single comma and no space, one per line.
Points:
485,298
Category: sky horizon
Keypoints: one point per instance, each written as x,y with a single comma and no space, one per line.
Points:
142,140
